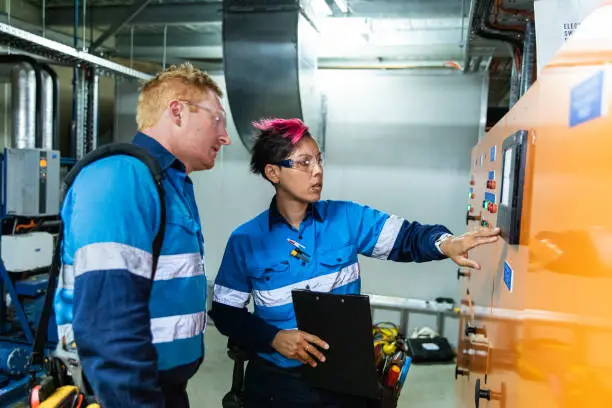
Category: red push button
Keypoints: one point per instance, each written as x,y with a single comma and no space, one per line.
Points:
493,208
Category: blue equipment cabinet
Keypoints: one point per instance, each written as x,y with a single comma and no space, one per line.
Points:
29,210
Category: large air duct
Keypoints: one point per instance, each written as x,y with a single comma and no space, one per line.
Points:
270,64
49,109
25,79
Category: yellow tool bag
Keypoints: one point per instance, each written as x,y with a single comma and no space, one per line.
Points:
392,362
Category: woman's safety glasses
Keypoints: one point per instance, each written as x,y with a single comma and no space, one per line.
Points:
304,163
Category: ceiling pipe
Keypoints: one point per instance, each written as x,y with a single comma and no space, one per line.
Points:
26,99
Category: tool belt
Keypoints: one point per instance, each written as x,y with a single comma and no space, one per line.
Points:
63,385
392,362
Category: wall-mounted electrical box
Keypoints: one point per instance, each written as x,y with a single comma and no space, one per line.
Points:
31,182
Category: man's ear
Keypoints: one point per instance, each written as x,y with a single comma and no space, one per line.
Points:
176,112
272,173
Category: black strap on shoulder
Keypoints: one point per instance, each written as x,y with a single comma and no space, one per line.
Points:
128,149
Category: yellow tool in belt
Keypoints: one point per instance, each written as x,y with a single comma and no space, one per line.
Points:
67,396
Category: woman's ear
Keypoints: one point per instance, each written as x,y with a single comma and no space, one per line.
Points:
272,173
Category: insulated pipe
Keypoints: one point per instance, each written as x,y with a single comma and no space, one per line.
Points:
93,112
50,139
26,99
46,141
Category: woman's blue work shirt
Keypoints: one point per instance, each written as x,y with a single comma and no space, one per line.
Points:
258,263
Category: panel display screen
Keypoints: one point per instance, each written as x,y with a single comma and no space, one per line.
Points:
514,153
505,194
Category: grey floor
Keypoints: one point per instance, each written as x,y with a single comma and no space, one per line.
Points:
426,386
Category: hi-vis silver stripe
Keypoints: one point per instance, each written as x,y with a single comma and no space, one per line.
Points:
65,333
387,237
163,329
66,278
179,266
325,283
111,255
166,329
230,297
119,256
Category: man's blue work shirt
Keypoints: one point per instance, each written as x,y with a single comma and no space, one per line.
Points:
132,333
257,261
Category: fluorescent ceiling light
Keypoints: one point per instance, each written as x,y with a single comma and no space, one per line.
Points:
321,8
342,5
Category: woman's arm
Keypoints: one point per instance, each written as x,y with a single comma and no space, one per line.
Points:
388,237
245,329
231,295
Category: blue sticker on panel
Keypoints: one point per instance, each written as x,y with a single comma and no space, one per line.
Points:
492,175
508,276
587,100
490,197
493,150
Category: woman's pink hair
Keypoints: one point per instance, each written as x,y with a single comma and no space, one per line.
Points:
292,129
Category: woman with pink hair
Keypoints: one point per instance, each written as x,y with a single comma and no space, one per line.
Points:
302,242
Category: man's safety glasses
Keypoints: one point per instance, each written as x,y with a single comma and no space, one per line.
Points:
218,116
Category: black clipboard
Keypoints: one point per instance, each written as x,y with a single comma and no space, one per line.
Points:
345,323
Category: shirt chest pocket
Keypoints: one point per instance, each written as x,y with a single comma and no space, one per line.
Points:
272,284
270,275
338,266
337,258
183,234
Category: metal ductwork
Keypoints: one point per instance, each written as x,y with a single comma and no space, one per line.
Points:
49,109
24,75
270,64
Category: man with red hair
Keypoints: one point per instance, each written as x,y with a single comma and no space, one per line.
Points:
331,234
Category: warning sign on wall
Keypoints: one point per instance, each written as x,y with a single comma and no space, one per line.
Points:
568,30
555,22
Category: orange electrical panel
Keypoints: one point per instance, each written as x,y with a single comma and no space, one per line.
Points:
536,320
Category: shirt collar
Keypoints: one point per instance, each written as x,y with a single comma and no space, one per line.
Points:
163,156
275,217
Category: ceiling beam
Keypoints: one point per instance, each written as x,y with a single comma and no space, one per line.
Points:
170,14
201,13
173,39
132,13
404,9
